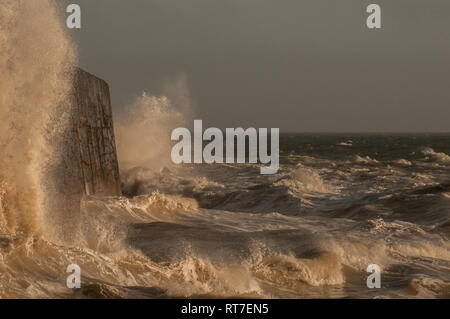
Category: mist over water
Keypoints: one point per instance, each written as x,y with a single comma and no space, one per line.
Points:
338,203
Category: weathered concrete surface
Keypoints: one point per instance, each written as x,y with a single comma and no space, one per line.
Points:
91,165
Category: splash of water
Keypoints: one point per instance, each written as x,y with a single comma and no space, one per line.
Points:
36,58
143,134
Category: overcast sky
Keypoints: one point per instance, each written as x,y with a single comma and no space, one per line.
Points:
300,65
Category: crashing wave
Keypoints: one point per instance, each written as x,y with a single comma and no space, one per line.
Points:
431,154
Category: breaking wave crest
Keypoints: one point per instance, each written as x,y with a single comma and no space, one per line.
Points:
436,156
306,180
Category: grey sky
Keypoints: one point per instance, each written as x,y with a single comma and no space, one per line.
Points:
300,65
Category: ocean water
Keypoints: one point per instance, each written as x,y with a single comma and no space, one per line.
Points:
338,204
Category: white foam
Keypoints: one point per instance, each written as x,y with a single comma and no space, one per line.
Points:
436,156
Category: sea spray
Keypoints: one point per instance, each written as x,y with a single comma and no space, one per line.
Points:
143,132
36,58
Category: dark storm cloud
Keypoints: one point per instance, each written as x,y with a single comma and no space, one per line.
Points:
298,65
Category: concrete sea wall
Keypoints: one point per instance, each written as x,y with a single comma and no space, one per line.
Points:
91,161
